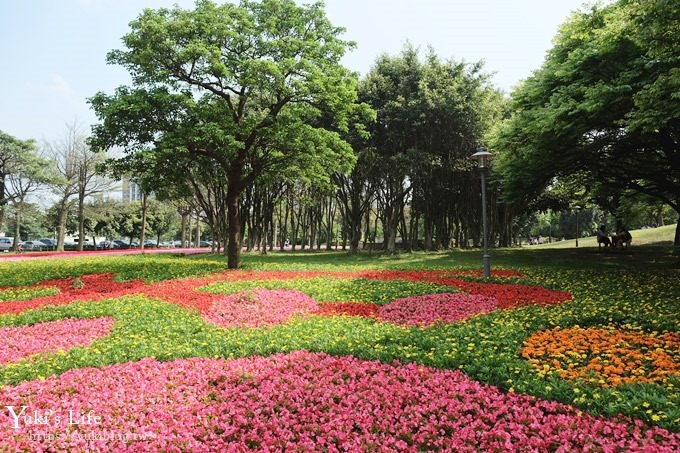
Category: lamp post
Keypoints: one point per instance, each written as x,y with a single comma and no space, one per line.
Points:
578,209
482,156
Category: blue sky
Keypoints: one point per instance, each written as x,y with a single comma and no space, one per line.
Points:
52,52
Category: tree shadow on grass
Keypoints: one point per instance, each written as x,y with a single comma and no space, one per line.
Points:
655,257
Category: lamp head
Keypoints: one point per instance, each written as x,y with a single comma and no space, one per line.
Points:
482,156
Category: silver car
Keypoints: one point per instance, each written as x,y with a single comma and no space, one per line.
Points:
6,243
34,245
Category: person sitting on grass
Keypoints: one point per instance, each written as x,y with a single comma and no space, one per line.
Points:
622,237
603,237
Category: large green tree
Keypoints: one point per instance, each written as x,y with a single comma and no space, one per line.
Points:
240,85
14,154
603,106
431,115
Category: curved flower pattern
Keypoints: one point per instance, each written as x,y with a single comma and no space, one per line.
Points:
432,308
87,288
260,307
53,336
300,401
605,356
508,295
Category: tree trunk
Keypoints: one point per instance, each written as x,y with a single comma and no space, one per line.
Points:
676,241
183,234
141,235
3,200
234,222
198,230
17,225
81,221
61,227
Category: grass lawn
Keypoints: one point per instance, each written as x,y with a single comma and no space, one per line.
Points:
322,351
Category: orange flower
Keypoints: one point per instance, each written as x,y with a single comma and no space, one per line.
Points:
605,356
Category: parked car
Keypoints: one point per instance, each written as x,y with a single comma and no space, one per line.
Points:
149,244
120,244
206,243
34,246
50,243
105,245
6,243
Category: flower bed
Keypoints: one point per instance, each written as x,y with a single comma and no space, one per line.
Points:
260,307
485,348
87,287
300,401
432,308
508,295
21,342
605,356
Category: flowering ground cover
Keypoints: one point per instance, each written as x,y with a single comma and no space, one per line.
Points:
299,401
51,336
432,308
260,307
606,356
513,365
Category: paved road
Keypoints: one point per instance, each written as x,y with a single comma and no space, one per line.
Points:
11,256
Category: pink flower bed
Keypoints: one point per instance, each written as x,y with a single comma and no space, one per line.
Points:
432,308
259,307
297,402
20,342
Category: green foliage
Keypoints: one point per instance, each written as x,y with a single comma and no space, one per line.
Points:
26,293
431,114
161,218
603,106
227,86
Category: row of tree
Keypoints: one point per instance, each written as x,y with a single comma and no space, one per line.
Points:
254,125
67,170
257,122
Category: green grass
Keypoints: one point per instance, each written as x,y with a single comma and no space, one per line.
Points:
662,236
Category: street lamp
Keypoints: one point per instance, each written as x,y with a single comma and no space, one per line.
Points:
578,209
482,156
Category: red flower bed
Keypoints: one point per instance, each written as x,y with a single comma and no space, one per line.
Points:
86,288
183,292
509,295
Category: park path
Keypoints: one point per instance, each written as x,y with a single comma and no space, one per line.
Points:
10,256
